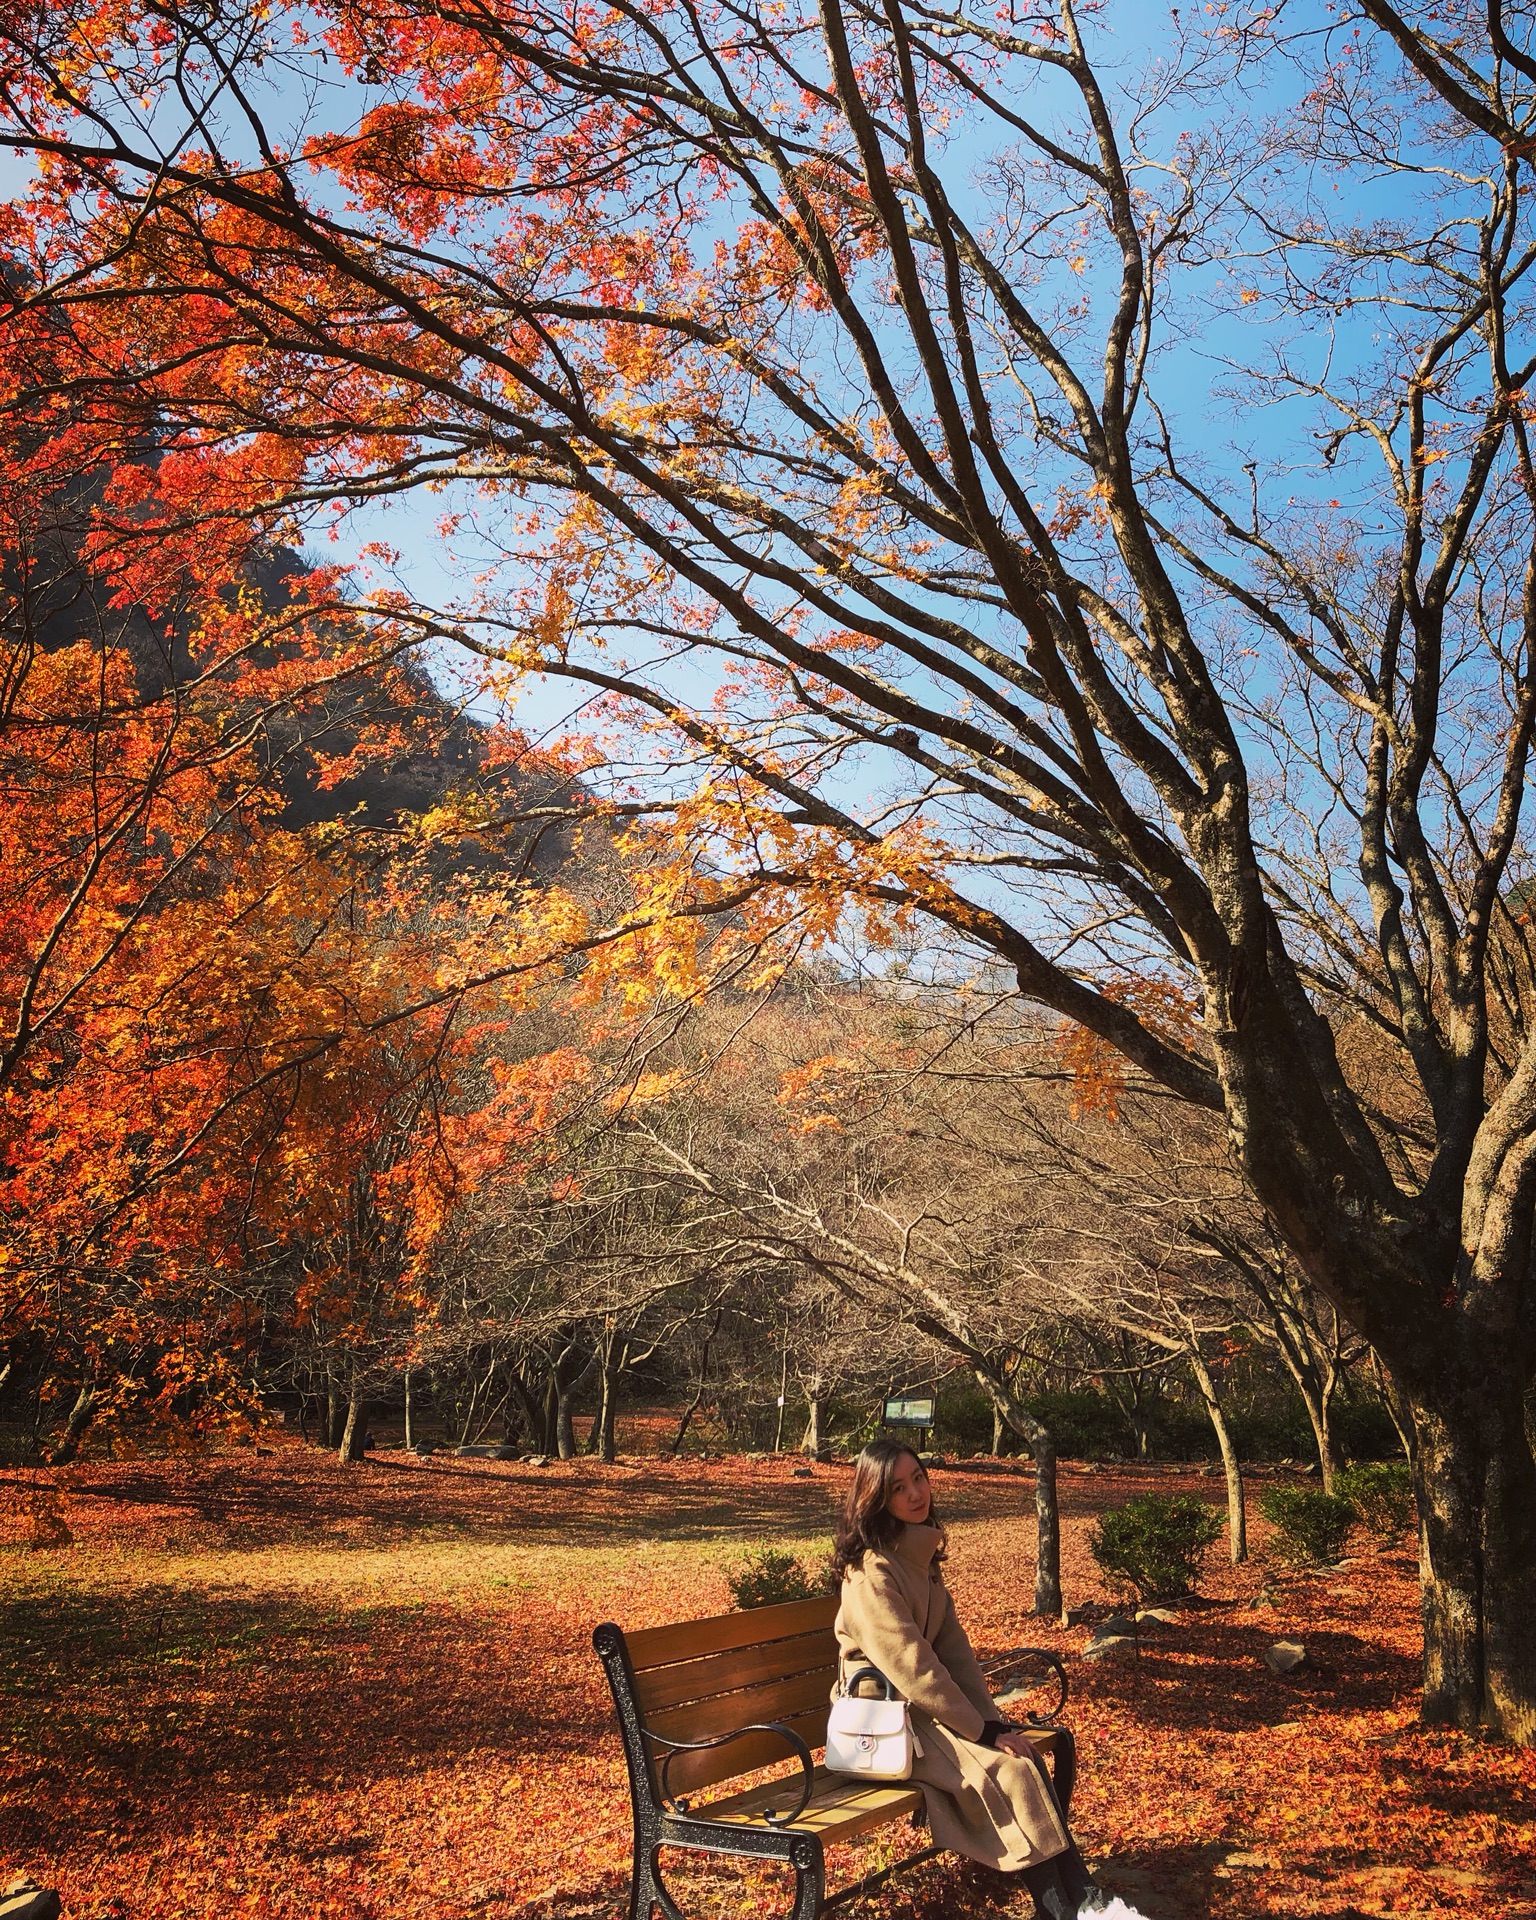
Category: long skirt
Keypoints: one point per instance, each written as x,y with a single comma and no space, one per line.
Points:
991,1806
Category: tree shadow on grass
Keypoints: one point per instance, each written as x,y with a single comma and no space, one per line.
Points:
1449,1790
172,1702
246,1501
249,1505
1171,1882
1213,1676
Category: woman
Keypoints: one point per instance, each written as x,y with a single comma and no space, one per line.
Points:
986,1794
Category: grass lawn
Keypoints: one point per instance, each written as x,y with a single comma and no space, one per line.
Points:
271,1685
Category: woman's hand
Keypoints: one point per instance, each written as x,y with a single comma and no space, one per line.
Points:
1013,1742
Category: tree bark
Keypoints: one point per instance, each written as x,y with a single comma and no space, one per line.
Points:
1047,1525
1042,1446
604,1438
549,1423
529,1407
408,1437
698,1392
817,1442
355,1428
565,1426
80,1417
466,1427
687,1420
1140,1429
1476,1486
1319,1409
1316,1374
1237,1515
1396,1403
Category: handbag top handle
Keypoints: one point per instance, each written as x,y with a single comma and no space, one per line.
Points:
851,1684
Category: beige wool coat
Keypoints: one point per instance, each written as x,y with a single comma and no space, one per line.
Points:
896,1615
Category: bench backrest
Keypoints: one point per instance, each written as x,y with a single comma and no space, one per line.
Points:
705,1677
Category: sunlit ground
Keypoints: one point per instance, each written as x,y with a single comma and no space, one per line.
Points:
272,1685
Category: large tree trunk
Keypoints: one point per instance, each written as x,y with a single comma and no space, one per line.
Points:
1237,1514
817,1442
1476,1486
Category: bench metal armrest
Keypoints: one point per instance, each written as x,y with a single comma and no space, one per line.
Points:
787,1734
1000,1663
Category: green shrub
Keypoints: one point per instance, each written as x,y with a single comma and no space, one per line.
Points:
1310,1527
1154,1544
1381,1494
768,1576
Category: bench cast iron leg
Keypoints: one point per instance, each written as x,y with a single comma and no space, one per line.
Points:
1065,1777
648,1890
810,1879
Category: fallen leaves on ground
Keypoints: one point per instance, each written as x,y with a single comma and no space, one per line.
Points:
272,1685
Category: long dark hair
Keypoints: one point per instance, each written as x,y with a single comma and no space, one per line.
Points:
865,1521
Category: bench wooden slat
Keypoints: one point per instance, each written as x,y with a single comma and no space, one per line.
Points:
776,1700
690,1771
721,1632
660,1687
839,1808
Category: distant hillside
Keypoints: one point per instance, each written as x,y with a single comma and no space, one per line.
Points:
53,600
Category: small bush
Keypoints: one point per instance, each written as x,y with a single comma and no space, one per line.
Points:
1154,1544
1310,1527
768,1576
1381,1494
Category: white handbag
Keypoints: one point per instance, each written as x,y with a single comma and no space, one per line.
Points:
872,1738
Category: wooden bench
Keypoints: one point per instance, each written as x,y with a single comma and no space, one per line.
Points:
706,1701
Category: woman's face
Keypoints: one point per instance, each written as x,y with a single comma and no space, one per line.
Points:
909,1498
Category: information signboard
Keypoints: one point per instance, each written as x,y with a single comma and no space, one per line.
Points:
909,1413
